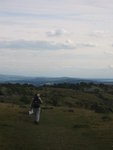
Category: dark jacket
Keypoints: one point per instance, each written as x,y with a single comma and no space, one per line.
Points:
36,102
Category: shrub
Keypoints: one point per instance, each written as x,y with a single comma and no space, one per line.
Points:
1,93
25,100
101,109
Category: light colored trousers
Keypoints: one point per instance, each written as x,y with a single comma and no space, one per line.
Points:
37,113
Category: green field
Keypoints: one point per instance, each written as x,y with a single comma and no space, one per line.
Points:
60,128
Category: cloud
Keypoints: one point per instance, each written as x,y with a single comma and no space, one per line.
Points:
57,32
43,45
87,44
36,45
99,33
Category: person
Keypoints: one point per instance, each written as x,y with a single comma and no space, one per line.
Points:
35,106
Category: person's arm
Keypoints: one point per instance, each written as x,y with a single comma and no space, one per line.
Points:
40,100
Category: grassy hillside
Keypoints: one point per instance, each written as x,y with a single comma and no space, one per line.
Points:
96,97
74,116
60,128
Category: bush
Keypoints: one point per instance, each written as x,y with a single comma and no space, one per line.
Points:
25,100
1,93
102,109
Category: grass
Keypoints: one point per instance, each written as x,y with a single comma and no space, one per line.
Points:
60,128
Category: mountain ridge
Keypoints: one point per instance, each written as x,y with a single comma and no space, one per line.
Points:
37,81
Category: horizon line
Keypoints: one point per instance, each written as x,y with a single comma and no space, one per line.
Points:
36,76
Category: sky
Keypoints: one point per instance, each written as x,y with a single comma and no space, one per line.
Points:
57,38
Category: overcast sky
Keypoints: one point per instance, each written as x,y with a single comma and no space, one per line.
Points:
57,38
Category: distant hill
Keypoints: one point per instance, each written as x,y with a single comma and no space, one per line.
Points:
37,81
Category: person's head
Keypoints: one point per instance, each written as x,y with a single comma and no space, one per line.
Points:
38,94
35,95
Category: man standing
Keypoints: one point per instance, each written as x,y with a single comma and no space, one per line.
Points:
35,105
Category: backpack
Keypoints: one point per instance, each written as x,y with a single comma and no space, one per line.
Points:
36,102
